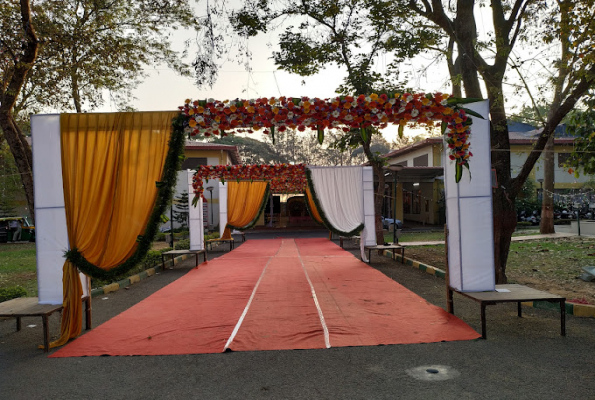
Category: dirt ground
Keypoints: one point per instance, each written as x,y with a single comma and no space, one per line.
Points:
576,290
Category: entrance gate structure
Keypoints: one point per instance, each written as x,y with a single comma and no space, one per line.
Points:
213,117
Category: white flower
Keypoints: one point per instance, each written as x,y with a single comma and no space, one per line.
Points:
429,114
401,110
354,103
199,119
210,100
409,98
368,99
392,101
336,114
290,115
374,110
348,117
414,112
215,125
444,102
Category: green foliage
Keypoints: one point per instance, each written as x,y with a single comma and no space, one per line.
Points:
88,47
182,244
214,235
581,124
180,211
10,182
345,33
12,293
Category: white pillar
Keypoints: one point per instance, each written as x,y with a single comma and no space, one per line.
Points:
369,215
222,207
195,222
51,235
469,212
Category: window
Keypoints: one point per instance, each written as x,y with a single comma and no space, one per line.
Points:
563,159
421,161
192,163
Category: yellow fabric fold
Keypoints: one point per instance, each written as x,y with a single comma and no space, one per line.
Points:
312,206
244,200
110,163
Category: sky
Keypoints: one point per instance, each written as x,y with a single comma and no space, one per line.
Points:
163,89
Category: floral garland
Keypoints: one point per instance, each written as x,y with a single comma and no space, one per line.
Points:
283,178
214,117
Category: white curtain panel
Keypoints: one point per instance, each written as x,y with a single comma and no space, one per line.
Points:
340,193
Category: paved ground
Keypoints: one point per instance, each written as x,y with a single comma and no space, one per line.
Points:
523,358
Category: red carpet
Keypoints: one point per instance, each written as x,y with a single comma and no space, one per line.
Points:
273,295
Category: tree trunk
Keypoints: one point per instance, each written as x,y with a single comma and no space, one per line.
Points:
547,197
504,211
22,154
19,147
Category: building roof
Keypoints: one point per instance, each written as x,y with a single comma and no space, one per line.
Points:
414,146
232,150
418,174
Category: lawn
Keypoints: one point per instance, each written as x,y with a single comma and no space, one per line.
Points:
431,236
17,266
552,265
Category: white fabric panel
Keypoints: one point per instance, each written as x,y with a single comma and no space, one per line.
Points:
340,193
454,243
222,207
50,242
469,212
195,222
478,257
51,235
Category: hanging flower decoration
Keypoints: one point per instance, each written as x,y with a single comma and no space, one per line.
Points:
214,117
283,178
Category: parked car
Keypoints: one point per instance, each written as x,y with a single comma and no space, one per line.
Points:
27,233
388,221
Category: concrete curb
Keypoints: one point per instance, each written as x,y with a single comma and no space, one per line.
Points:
115,286
578,310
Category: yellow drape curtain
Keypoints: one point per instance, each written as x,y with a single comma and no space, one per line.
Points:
312,206
110,163
244,200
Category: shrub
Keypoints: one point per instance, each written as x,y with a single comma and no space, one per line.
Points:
12,292
523,224
182,244
160,237
214,235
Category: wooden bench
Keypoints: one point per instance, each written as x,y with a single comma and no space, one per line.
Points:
511,293
209,243
393,247
176,253
30,307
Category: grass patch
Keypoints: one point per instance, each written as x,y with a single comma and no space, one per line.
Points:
558,260
416,237
18,266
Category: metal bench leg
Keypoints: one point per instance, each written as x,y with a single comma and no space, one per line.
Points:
519,310
483,321
562,317
18,324
450,305
46,334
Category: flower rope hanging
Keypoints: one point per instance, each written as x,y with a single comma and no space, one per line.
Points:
214,117
283,178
